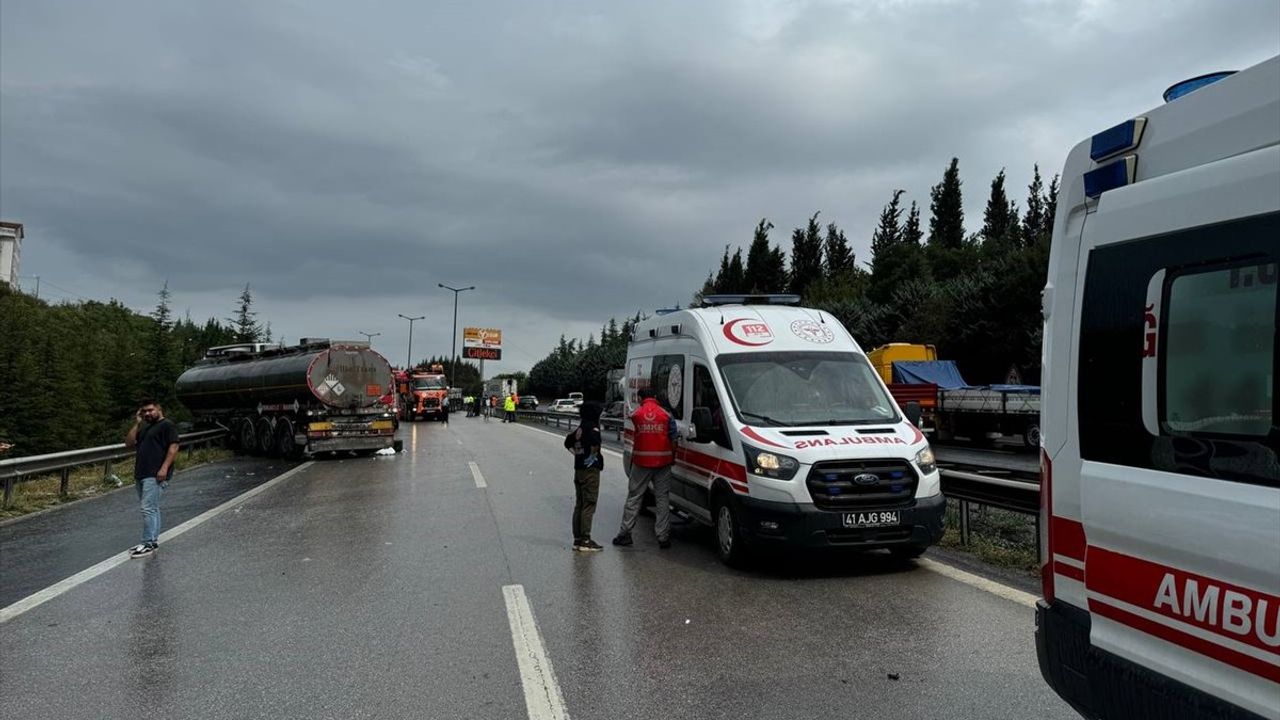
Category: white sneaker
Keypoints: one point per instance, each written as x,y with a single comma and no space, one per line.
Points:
142,550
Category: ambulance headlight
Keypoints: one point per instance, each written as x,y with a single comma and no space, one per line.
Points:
926,461
770,464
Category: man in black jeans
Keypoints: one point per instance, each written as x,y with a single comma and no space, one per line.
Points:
157,442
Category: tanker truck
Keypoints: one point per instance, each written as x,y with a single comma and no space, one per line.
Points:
316,397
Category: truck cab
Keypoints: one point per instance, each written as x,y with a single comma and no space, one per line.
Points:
1160,488
428,393
788,437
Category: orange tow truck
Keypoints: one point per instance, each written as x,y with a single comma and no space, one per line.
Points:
426,393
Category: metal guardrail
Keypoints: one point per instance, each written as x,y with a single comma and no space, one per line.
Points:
547,417
971,488
967,487
19,470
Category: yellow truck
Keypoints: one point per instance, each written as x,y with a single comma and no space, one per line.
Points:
883,357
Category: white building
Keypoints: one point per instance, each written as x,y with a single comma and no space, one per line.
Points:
10,252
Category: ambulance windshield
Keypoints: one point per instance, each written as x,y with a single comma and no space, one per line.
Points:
805,388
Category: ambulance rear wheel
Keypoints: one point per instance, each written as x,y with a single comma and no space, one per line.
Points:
731,546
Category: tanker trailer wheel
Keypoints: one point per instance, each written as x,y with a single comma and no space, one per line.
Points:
266,436
286,446
248,438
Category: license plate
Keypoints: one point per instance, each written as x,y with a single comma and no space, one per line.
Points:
877,518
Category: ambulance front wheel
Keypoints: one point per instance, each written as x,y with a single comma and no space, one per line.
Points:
731,544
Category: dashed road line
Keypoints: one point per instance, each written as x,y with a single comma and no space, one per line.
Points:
39,598
542,696
475,475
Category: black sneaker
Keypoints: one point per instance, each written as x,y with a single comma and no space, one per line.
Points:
142,550
664,544
622,540
590,545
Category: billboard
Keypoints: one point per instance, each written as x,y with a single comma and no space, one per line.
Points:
482,343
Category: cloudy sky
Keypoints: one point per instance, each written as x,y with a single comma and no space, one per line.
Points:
573,160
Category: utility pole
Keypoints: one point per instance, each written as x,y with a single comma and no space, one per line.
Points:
368,336
409,362
453,348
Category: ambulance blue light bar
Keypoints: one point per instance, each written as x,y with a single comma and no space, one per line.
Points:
1110,177
1185,87
764,299
1121,138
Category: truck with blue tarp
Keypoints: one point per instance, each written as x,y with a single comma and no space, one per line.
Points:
951,406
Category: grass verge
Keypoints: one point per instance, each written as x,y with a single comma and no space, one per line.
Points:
998,537
88,481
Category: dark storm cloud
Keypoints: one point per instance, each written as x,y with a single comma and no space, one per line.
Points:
574,160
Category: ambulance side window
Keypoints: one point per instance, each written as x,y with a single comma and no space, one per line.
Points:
1218,367
1177,352
705,395
668,383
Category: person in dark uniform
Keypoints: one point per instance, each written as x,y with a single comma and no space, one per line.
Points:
584,442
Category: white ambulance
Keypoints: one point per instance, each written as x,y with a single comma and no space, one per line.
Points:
1160,524
788,435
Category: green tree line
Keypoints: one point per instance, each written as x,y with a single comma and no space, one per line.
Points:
976,296
74,372
576,366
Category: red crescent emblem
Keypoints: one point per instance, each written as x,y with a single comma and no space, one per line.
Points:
744,336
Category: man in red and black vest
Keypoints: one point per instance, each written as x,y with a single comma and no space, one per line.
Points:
652,456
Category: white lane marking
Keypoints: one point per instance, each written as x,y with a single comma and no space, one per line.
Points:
968,578
43,596
475,474
542,697
979,582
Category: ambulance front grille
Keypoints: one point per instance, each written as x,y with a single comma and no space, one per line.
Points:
834,485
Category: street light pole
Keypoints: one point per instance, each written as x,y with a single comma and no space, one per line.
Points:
453,347
368,336
409,361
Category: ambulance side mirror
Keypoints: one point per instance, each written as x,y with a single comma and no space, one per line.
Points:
912,411
703,425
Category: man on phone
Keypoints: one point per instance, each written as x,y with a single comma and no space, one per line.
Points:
157,442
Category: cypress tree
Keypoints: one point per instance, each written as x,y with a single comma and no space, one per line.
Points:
946,225
1050,209
839,257
911,232
758,279
996,220
806,256
246,327
736,279
1033,222
888,250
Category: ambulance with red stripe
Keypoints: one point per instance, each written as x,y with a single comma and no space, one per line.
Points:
788,436
1160,519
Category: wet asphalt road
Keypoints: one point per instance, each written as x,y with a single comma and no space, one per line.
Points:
373,588
40,549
